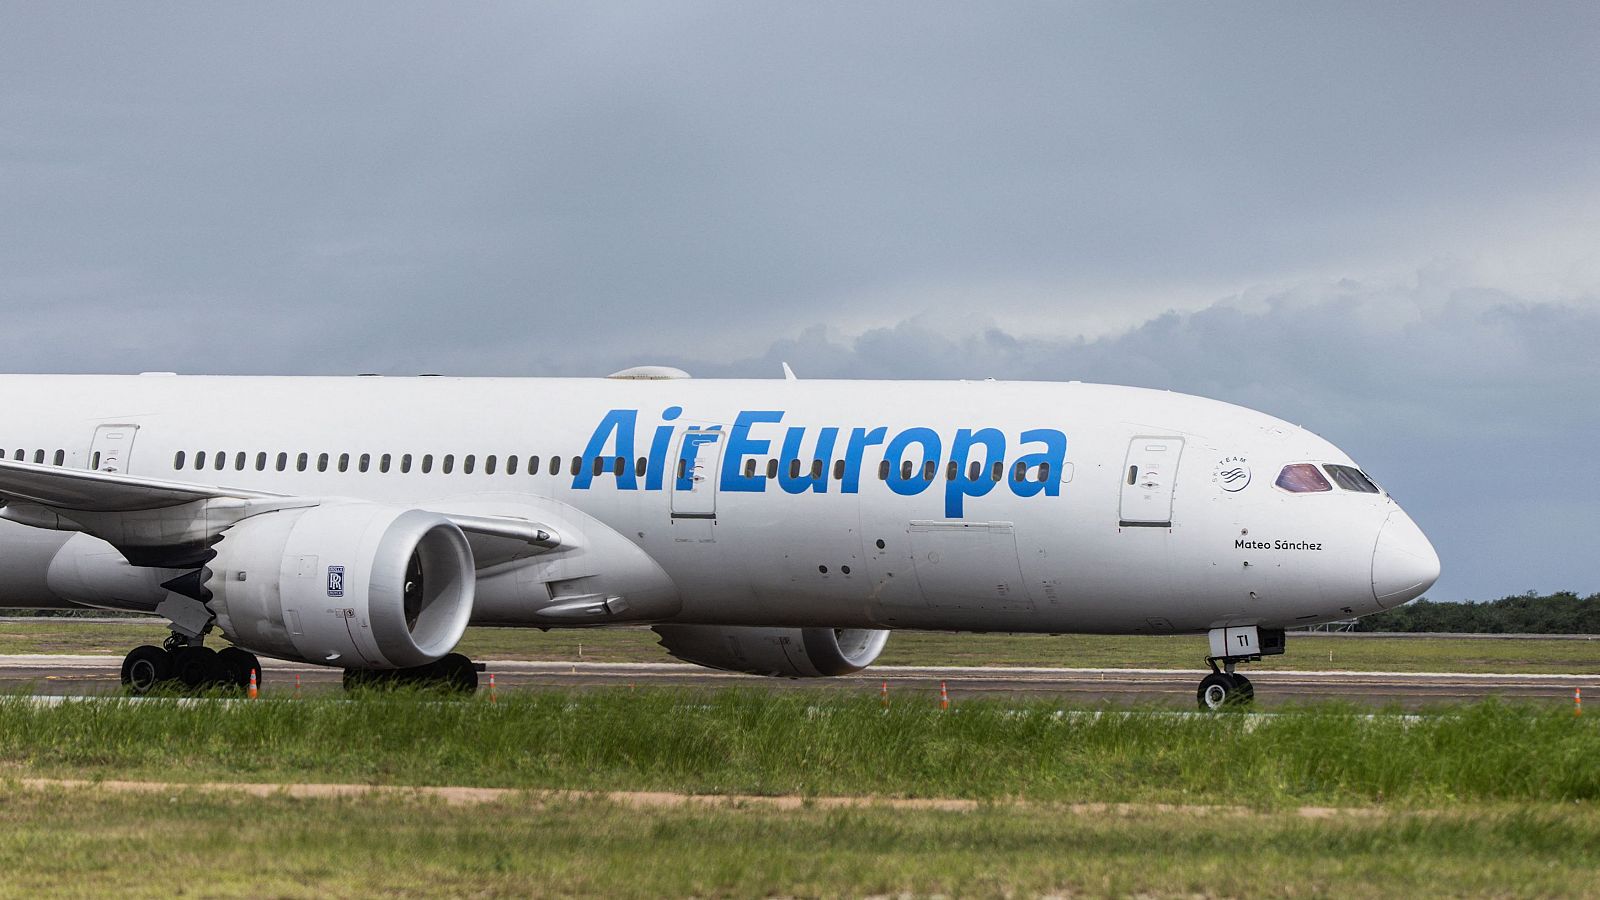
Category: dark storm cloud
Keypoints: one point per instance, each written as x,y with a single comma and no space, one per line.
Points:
1026,190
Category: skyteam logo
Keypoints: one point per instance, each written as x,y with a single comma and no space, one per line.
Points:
336,581
971,462
1232,474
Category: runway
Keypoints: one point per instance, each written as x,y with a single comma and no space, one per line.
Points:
1173,688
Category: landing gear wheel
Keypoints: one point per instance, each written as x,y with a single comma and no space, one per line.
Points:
1246,690
144,668
456,672
239,664
198,668
1219,690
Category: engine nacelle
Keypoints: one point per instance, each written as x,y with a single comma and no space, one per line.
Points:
352,584
778,652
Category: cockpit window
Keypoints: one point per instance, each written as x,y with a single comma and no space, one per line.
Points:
1351,478
1302,478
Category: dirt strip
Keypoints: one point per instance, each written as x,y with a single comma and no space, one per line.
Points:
468,796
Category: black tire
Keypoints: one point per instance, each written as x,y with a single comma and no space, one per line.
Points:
198,668
145,668
1217,691
456,672
239,664
1244,690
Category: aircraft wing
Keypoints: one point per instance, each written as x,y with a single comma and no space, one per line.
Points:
105,503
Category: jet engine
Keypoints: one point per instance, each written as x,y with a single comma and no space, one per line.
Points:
356,585
777,652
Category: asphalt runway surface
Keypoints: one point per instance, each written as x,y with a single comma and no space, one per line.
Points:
1170,688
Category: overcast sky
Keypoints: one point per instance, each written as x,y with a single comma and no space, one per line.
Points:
1381,221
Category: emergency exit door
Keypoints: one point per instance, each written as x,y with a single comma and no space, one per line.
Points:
112,446
1147,481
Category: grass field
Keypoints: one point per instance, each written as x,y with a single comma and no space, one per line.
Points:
85,843
1306,652
1489,799
817,742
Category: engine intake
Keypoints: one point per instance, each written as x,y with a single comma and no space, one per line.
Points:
777,652
354,585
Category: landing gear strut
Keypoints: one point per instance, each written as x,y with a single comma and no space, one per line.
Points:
452,672
186,664
1230,646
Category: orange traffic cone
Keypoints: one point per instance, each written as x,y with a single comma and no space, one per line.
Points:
297,685
944,696
493,692
1577,701
252,693
883,695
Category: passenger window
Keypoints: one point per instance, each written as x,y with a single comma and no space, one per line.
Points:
1133,474
199,460
929,469
61,457
997,472
94,461
511,464
448,464
1019,472
322,462
364,463
599,466
261,461
952,470
905,470
974,471
20,455
1302,478
427,463
816,468
1350,478
772,468
555,465
344,462
749,468
383,463
883,470
794,468
283,461
302,461
468,463
489,464
38,457
620,466
683,467
1044,472
238,461
643,465
533,465
221,460
405,463
577,466
177,460
838,470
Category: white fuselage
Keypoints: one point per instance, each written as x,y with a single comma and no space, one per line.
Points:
1156,512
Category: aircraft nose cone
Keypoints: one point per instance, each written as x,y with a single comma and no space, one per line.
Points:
1404,564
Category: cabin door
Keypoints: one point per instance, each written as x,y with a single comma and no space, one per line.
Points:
111,447
1148,478
694,477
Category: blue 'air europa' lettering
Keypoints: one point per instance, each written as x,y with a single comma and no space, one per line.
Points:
964,462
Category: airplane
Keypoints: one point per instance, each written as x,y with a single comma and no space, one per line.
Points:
776,527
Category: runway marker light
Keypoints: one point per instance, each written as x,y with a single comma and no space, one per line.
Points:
944,696
252,693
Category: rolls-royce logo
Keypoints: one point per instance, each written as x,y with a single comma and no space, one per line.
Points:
1232,474
336,581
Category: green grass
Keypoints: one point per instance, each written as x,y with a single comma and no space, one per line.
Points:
1306,652
90,844
819,743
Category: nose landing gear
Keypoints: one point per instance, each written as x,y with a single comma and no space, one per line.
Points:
1230,646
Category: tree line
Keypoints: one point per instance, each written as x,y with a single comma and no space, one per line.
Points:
1560,613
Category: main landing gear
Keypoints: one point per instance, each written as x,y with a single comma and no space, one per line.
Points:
186,664
452,672
1224,687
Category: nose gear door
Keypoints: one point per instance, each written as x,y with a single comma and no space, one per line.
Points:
1147,481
